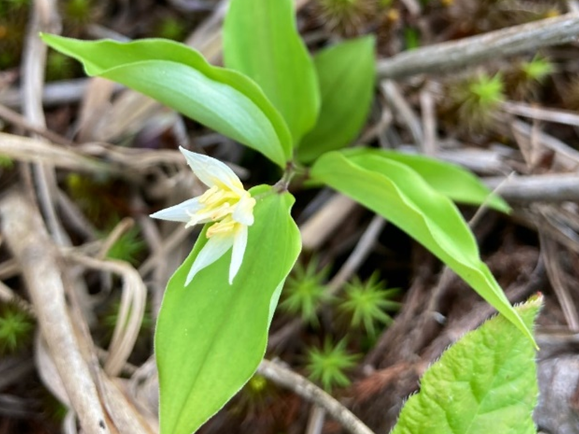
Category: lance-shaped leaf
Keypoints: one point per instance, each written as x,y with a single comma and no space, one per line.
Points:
403,197
211,335
260,39
485,383
181,78
453,181
346,73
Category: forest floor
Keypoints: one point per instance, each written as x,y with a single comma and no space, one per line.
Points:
83,162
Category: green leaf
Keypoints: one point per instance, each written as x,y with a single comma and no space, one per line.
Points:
346,73
211,336
260,39
181,78
485,383
403,197
453,181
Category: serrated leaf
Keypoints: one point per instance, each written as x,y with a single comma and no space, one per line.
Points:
210,335
485,383
453,181
260,39
346,73
179,77
402,196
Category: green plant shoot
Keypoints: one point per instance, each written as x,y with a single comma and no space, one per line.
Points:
274,98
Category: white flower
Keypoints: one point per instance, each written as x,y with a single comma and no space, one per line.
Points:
226,204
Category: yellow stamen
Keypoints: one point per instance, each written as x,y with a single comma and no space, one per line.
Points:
224,226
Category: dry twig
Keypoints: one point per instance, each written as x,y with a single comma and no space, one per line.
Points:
556,277
316,230
28,239
44,18
401,107
53,94
131,310
538,188
33,151
448,56
542,114
309,391
18,120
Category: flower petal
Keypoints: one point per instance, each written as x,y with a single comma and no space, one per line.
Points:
239,244
244,210
215,248
179,213
211,171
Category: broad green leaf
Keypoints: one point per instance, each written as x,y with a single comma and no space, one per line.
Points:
346,73
211,336
260,39
453,181
403,197
485,383
181,78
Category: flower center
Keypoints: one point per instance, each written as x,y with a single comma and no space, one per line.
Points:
219,206
224,226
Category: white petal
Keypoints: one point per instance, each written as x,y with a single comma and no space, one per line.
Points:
179,213
239,244
215,248
244,210
211,171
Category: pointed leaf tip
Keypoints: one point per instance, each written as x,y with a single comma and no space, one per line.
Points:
179,77
404,198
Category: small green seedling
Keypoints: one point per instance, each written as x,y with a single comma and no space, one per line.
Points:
128,247
305,291
327,365
477,99
524,79
365,303
16,328
538,69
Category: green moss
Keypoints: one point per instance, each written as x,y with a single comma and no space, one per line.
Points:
305,290
16,328
327,365
128,247
365,303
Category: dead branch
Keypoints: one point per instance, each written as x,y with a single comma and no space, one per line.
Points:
18,120
448,56
321,225
31,150
44,18
309,391
37,256
131,310
539,188
551,259
565,117
53,94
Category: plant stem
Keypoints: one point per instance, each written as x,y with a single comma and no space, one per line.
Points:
290,171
